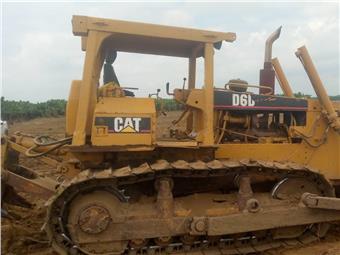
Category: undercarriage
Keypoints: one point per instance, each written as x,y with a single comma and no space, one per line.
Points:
223,206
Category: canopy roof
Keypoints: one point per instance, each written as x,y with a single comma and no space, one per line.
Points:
149,38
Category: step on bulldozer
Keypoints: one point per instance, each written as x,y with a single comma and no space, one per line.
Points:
239,172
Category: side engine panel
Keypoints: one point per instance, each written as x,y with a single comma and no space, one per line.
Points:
124,121
247,117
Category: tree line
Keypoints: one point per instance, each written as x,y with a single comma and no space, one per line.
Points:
24,110
302,95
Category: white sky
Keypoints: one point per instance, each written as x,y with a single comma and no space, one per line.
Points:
40,56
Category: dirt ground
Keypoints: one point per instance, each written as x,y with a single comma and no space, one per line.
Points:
23,235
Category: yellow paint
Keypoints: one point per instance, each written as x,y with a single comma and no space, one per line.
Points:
87,101
325,158
72,107
97,35
124,107
88,89
208,111
147,38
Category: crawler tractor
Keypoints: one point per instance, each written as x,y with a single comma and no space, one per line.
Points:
239,172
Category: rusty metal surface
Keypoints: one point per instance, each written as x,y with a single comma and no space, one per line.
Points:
136,222
41,187
284,217
48,160
165,203
245,192
315,201
285,188
94,219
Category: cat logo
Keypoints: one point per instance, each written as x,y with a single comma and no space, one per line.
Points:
243,100
125,124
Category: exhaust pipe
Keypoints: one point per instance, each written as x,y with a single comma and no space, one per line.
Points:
267,74
269,44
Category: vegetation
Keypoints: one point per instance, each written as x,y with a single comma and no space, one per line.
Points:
23,110
168,105
302,95
335,98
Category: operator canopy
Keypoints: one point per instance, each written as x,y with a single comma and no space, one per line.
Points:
149,38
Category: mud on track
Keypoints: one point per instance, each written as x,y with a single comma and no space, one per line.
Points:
23,235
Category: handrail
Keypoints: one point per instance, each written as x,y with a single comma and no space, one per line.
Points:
249,86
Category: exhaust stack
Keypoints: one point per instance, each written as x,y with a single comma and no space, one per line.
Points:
267,74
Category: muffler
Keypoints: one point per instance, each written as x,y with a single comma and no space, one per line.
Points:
267,74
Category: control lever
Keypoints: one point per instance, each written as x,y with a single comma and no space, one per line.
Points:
184,80
161,104
168,89
155,94
183,87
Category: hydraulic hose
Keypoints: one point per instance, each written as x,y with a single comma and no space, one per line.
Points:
39,142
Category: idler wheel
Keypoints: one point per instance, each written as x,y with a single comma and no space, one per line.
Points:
90,222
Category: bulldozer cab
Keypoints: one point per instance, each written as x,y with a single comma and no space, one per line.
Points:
108,114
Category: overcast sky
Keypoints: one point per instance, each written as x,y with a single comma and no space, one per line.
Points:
40,55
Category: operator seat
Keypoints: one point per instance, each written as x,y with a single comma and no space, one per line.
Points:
109,73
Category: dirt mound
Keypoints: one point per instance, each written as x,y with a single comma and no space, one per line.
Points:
22,233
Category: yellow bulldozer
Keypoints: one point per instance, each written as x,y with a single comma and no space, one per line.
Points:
244,172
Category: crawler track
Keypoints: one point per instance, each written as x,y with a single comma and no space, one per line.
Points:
114,180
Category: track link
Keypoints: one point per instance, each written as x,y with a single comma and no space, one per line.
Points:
112,179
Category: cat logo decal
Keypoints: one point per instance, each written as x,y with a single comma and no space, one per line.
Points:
125,124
